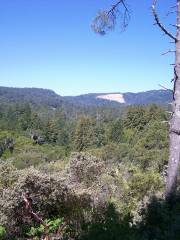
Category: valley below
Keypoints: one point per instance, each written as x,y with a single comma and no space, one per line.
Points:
88,167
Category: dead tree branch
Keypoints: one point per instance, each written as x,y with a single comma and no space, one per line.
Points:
169,51
107,19
29,213
28,209
158,22
163,87
171,12
114,6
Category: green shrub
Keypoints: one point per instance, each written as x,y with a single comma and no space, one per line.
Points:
52,227
2,232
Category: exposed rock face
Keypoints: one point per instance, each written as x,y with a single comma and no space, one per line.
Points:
117,97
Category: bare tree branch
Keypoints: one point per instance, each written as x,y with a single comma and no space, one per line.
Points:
175,6
29,213
107,19
158,22
165,88
114,6
170,12
174,25
169,51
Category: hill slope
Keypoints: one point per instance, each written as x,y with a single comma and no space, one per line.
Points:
160,97
34,96
48,98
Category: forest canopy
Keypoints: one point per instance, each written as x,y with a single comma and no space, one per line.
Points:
97,175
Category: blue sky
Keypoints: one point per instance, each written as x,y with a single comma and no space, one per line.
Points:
49,44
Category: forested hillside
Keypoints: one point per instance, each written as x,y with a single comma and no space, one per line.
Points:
160,97
88,176
34,96
48,98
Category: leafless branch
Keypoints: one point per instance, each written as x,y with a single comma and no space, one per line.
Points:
158,22
174,25
171,12
32,215
165,122
114,6
165,88
29,210
169,51
174,6
169,112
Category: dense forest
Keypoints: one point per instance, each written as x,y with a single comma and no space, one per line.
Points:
99,174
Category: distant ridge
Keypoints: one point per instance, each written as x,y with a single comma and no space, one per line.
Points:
159,97
48,98
34,96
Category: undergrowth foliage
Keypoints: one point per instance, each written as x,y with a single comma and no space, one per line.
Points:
91,178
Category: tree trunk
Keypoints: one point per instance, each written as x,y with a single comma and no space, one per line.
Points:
174,134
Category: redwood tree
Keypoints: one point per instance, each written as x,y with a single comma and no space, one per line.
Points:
106,20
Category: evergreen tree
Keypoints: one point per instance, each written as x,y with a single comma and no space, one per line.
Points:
116,131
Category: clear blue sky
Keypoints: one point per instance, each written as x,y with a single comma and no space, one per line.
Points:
49,44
